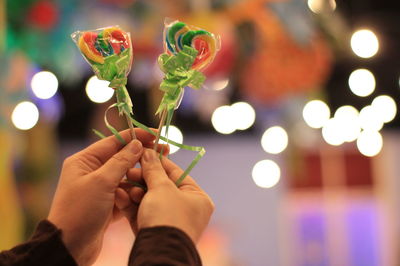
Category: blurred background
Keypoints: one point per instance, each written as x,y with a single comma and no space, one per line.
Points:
298,116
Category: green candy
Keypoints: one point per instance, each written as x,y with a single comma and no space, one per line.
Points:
173,30
103,44
188,37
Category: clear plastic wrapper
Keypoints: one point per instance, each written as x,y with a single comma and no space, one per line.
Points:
108,51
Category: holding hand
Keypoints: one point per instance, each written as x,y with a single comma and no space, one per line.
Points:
188,207
84,201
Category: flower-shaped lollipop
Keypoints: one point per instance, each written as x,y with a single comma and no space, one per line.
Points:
188,49
178,35
109,52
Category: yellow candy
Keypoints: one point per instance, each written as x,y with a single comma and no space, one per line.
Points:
85,49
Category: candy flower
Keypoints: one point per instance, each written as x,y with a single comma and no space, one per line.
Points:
178,35
188,49
109,52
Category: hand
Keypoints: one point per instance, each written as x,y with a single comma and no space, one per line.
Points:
84,199
188,207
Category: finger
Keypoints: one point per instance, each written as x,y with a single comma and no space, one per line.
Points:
135,174
152,170
160,147
116,214
105,148
119,164
122,199
125,205
175,172
136,195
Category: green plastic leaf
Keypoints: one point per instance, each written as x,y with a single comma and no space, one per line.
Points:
124,102
197,79
118,83
114,69
178,74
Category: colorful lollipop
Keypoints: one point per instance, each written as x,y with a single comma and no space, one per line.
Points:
109,52
178,35
187,50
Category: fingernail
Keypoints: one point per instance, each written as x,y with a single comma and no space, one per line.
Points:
149,155
136,146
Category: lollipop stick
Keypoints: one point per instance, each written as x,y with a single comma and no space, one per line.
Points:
162,122
128,120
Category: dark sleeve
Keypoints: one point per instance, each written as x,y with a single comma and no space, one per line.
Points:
163,245
45,248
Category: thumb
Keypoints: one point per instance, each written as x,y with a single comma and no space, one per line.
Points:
117,166
153,172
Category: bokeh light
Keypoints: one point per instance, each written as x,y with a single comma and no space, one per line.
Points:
370,143
364,43
316,113
244,114
370,119
332,132
44,84
174,134
219,84
347,118
223,120
318,6
274,140
25,115
386,107
98,90
362,82
266,173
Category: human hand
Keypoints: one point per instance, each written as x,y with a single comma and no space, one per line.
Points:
84,200
188,207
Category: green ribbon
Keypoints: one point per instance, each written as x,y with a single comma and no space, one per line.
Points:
178,74
114,69
200,150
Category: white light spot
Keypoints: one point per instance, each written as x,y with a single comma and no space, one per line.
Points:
364,43
274,140
318,6
98,90
244,115
174,134
332,132
25,115
223,120
362,82
219,85
44,84
386,107
266,173
370,119
370,143
347,118
316,113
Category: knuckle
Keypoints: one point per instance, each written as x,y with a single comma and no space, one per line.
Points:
70,160
123,159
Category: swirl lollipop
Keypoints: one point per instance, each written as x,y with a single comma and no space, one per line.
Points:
188,49
178,35
109,52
